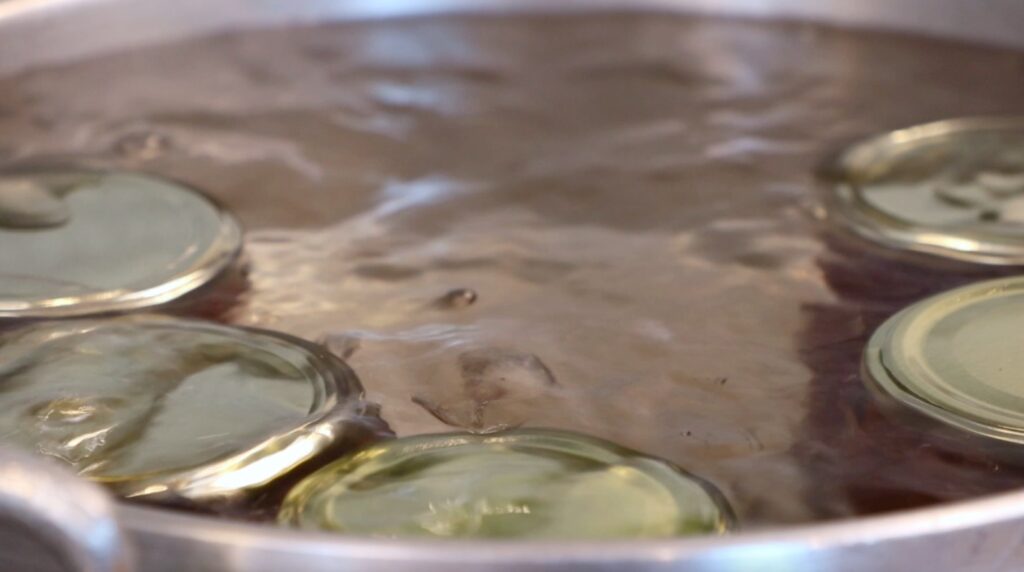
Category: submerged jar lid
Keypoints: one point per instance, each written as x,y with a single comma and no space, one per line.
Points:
957,357
953,188
539,484
173,409
74,243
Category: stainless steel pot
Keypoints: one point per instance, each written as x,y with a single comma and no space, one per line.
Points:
51,520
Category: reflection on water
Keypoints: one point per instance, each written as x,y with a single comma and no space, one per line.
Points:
628,199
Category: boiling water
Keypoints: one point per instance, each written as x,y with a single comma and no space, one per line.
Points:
599,223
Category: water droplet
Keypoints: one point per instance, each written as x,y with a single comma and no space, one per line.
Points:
457,298
29,204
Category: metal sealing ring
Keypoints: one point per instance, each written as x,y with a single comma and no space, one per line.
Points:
77,242
946,358
952,188
177,410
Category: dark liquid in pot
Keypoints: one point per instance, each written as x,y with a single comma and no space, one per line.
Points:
597,223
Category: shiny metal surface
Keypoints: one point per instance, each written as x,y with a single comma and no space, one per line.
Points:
979,536
975,535
947,358
52,520
521,484
304,403
185,242
55,30
971,230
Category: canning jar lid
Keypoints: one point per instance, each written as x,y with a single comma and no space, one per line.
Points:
957,358
540,484
76,242
173,409
952,188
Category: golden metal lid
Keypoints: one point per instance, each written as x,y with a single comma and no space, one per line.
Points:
74,243
516,484
957,358
953,188
174,409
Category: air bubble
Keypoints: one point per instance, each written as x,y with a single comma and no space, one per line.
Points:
457,298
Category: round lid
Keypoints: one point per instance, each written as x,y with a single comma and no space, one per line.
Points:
957,357
953,188
74,243
518,484
183,409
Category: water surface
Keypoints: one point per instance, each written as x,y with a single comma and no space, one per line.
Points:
622,205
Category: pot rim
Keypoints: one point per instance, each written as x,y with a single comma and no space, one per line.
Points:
796,540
